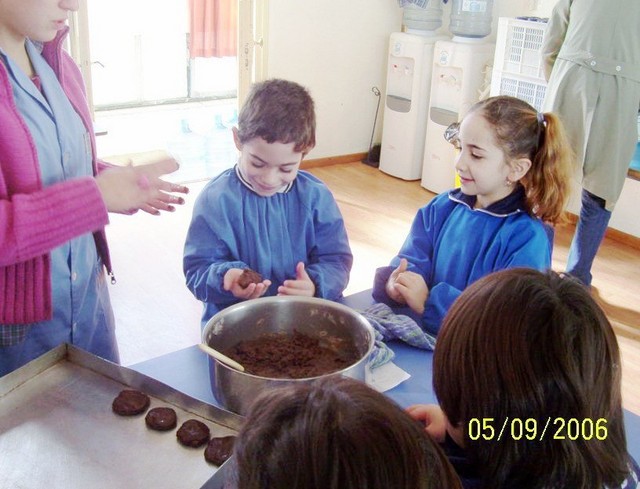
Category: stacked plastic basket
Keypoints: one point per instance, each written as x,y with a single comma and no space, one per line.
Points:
517,65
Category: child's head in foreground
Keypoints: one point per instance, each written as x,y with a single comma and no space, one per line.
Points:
276,129
530,348
336,433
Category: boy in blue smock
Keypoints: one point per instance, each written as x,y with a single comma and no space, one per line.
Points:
265,214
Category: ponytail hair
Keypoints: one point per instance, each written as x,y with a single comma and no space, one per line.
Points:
523,132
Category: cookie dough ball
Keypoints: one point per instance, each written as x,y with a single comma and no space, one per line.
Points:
249,277
219,449
161,419
193,433
130,402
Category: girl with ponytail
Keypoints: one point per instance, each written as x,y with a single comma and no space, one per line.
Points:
514,165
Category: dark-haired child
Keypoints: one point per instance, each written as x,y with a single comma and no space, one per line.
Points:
527,373
335,433
267,215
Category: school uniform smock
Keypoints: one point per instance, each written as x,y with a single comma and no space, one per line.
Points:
234,227
591,54
81,311
451,245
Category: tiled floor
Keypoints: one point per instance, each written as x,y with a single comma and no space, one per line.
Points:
197,133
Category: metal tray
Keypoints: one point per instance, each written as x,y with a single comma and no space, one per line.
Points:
57,428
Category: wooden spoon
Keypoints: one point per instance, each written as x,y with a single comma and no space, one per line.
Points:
221,356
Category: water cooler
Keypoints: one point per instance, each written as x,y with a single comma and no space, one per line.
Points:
410,62
461,67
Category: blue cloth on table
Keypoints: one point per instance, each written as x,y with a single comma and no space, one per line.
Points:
381,353
390,326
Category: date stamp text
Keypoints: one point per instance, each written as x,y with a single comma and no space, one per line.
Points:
531,429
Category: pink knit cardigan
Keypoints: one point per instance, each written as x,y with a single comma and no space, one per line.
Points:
33,219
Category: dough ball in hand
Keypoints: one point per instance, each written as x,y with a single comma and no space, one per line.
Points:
249,277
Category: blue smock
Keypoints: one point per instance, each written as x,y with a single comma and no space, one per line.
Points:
234,227
82,313
452,244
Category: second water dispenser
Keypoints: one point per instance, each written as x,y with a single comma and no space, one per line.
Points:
471,18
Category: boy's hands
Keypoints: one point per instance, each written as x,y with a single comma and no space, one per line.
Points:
302,285
251,291
407,287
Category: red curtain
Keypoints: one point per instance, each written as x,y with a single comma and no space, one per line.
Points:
213,28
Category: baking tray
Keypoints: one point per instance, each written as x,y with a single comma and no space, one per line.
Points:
57,429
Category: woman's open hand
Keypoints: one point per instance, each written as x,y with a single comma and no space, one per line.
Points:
131,188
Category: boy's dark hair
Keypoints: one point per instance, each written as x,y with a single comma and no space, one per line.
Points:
336,433
521,346
279,111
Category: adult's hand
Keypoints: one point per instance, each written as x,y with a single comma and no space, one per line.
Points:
130,188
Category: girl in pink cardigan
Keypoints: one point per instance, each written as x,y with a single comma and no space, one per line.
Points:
55,194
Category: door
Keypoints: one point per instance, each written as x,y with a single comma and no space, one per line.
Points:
252,44
155,85
125,48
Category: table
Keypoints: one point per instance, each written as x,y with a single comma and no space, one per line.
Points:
187,371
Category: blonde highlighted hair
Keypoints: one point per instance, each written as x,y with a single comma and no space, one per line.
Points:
523,132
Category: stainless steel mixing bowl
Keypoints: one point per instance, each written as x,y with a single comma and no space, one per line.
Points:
317,318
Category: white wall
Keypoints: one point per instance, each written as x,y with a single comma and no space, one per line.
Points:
625,214
338,49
